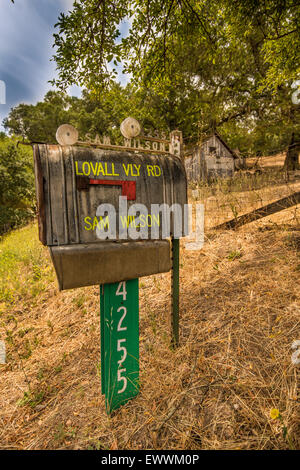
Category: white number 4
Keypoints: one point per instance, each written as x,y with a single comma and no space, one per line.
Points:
121,290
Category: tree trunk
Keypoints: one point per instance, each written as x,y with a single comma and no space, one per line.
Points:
292,156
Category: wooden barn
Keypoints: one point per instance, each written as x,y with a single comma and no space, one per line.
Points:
209,160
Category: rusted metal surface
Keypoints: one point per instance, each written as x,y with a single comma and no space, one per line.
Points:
135,141
106,262
73,181
133,145
39,186
66,196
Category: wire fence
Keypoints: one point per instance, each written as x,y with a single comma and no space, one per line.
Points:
226,199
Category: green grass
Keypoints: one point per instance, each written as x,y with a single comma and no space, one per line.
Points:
25,267
234,255
31,399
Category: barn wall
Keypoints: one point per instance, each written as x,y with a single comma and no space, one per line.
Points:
192,165
188,167
205,164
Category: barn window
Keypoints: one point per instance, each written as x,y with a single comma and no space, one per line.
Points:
212,149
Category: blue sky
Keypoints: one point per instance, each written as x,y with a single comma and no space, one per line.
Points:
26,29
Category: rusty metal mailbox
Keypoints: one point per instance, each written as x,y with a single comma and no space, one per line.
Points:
73,181
109,215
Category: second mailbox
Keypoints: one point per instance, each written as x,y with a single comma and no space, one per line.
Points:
89,228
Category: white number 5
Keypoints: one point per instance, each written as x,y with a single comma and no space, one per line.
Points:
122,348
122,378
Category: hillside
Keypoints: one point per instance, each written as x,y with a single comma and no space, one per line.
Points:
239,316
268,161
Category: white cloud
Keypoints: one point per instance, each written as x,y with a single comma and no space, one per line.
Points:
68,4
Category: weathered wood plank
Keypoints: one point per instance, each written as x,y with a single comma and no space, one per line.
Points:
264,211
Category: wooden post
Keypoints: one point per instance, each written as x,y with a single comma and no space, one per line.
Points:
176,145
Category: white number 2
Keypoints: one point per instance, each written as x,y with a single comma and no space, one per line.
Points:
120,327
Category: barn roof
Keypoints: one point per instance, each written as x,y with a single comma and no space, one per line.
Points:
223,142
215,133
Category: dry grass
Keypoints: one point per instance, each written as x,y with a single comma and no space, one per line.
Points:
268,161
222,203
240,306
